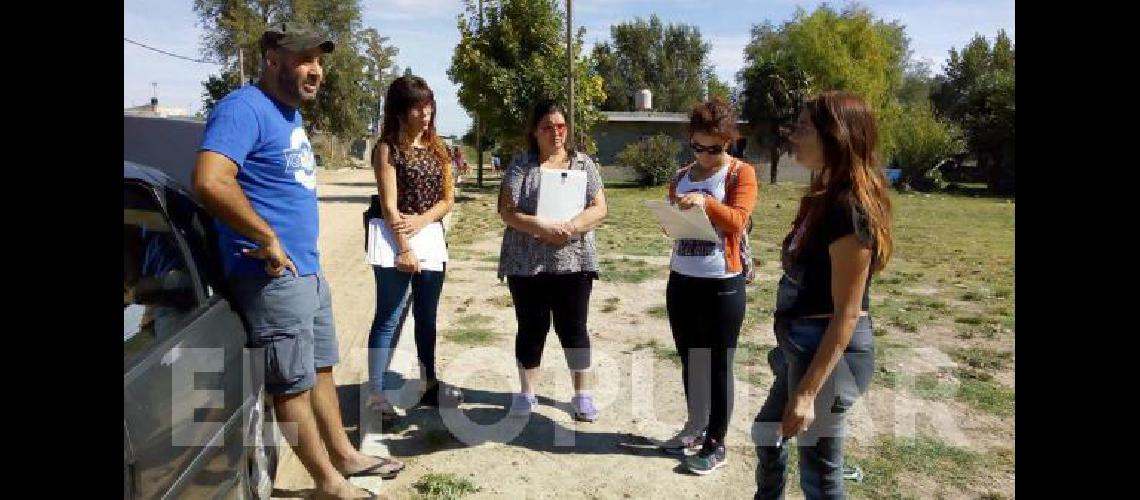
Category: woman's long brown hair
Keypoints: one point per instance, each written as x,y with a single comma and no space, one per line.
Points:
403,94
851,173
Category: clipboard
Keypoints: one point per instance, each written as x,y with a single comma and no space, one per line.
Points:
561,194
691,224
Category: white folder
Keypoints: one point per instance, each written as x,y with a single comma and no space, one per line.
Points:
561,194
428,244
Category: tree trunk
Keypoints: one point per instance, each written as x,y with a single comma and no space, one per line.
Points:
774,161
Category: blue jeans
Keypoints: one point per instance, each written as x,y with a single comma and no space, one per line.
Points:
391,309
821,446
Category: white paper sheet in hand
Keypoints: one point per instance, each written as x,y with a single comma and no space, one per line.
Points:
561,194
691,224
428,245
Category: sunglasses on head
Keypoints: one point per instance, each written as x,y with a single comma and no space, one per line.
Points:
712,150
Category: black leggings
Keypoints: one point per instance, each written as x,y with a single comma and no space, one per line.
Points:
705,315
537,298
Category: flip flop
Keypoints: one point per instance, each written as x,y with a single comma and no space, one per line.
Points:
372,495
386,469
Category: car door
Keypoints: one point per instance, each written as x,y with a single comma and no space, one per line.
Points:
218,325
179,358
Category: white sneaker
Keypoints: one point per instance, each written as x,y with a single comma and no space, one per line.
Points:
522,404
377,404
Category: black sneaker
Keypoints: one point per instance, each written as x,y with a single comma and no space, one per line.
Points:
441,394
711,457
685,443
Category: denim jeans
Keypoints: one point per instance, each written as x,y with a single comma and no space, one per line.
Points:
821,446
391,307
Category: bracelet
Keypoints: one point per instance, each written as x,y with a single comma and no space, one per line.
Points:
404,252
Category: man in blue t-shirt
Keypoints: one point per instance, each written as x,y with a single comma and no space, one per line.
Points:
255,172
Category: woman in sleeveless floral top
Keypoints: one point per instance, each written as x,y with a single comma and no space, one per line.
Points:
413,176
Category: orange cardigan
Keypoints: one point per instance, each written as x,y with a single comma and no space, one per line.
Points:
731,217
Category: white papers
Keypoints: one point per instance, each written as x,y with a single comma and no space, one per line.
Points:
428,245
561,194
691,224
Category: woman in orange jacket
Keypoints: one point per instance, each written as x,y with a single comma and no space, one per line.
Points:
705,296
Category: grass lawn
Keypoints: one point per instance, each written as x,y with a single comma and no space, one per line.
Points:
949,285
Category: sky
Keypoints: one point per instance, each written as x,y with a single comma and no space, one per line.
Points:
425,33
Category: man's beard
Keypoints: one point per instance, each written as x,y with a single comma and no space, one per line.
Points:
290,85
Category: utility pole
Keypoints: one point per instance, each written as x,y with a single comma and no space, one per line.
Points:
570,143
478,123
241,68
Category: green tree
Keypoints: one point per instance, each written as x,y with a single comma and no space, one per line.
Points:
845,49
773,90
672,61
719,89
217,86
468,138
349,94
516,59
379,71
917,85
922,141
977,93
233,27
849,50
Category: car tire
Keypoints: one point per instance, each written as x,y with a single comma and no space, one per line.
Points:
262,439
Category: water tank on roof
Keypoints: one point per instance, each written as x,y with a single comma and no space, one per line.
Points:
643,100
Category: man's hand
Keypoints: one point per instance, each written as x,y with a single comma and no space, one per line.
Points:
276,262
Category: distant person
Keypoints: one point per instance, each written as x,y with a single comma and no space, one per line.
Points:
550,265
825,353
494,163
706,294
458,163
256,174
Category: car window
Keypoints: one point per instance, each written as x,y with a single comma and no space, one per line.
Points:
199,234
158,291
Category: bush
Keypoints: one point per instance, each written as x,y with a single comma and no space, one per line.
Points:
921,142
654,158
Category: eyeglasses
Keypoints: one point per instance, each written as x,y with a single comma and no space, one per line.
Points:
560,127
712,150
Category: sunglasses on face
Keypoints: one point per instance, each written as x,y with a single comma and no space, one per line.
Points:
560,127
712,150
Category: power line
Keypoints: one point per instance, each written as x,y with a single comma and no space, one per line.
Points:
160,51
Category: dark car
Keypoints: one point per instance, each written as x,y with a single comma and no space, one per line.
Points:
196,421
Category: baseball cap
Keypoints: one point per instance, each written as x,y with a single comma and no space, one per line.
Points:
295,37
